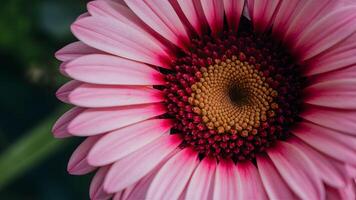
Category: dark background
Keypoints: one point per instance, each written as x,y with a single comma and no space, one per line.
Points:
32,162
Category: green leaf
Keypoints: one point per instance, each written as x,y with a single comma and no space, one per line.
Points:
30,150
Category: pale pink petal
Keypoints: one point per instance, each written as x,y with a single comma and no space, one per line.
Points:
112,70
345,193
118,195
161,17
109,8
341,120
117,11
284,16
327,171
351,170
140,188
297,171
337,145
233,11
338,57
74,50
249,182
344,73
335,93
172,178
274,185
309,13
78,162
124,194
62,92
183,194
60,128
139,191
96,96
86,14
106,34
200,186
226,180
246,13
214,13
330,30
193,11
94,121
61,68
133,167
262,13
120,143
96,191
348,171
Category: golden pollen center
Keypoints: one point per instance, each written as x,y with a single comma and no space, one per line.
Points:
233,95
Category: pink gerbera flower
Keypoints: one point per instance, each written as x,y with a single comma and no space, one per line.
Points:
213,99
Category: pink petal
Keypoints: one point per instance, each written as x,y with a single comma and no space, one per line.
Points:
351,170
200,185
226,180
122,142
233,11
118,195
61,68
290,21
60,128
86,14
327,171
275,186
140,188
214,13
124,194
96,191
106,34
337,145
74,50
114,10
62,92
297,171
344,73
139,191
284,15
348,192
330,30
94,121
133,167
172,178
249,182
96,96
262,13
112,70
183,194
313,10
193,10
338,57
336,94
78,163
341,120
162,18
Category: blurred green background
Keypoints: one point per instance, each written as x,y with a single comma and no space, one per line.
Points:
32,162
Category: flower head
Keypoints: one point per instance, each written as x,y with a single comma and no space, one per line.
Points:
213,99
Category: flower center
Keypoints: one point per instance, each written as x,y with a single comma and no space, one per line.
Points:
233,96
